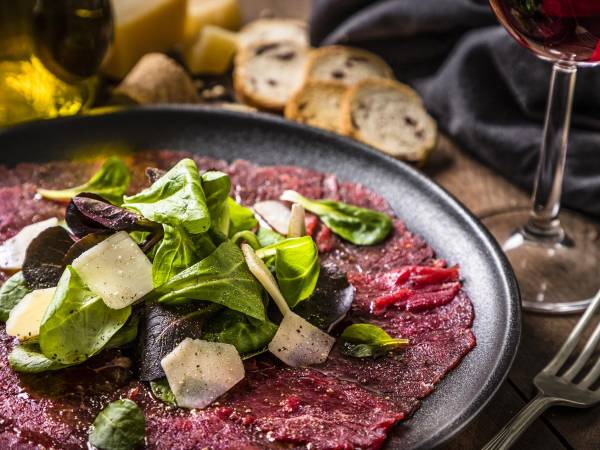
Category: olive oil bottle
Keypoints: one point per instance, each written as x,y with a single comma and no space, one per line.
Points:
50,51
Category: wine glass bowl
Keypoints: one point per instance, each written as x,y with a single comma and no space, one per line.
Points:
555,30
557,263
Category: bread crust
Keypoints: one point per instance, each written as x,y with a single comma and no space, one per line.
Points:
319,54
246,33
420,153
241,76
293,109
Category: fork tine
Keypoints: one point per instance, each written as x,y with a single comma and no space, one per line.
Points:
588,350
591,377
571,342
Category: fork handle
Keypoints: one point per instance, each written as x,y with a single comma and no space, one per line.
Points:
518,424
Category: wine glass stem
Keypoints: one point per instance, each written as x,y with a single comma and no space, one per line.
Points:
543,224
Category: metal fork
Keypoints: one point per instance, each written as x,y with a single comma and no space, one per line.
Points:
559,390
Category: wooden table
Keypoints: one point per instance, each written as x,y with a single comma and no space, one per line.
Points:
542,336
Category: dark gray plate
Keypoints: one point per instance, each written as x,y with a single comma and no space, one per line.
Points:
426,208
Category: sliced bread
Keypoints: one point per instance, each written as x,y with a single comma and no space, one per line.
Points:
318,103
346,65
267,74
273,30
389,116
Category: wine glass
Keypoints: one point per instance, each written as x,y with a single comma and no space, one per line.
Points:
556,260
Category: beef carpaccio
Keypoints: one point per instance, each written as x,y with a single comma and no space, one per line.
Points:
346,403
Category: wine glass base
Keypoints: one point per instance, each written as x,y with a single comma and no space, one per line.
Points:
558,276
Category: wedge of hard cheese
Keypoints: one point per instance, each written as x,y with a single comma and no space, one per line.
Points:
116,270
140,27
200,13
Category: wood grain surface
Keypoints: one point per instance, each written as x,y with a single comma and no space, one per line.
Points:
483,191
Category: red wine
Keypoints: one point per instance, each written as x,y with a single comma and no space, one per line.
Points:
554,29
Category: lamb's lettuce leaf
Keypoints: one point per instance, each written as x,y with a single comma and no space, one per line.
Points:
27,357
175,253
240,217
247,236
162,391
77,323
267,237
297,267
247,334
119,426
11,293
110,182
175,199
363,340
222,278
216,187
360,226
126,334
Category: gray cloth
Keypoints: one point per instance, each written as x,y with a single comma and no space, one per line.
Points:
485,90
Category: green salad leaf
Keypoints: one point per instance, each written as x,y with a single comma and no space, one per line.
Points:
247,334
221,278
267,237
163,327
360,226
240,217
175,253
126,334
297,267
110,182
77,323
362,340
28,358
247,236
119,426
11,293
162,391
216,187
175,199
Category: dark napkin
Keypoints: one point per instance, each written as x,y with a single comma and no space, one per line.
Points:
484,89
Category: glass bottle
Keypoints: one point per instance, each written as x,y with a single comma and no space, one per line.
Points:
50,51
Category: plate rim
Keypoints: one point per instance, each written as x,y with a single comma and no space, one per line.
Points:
507,353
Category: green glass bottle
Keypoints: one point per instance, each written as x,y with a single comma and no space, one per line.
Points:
50,51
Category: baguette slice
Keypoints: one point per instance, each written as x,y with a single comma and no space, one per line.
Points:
389,116
267,74
273,30
318,103
346,65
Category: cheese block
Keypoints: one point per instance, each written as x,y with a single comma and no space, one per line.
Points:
140,27
199,372
275,213
116,270
13,250
297,223
25,318
213,51
223,13
298,343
